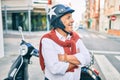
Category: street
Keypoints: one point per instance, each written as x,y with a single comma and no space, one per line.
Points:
96,21
106,50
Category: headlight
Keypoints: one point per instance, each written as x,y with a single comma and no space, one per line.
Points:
23,49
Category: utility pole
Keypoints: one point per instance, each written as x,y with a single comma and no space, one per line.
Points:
1,35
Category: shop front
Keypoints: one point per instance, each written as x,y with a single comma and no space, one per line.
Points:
13,19
29,15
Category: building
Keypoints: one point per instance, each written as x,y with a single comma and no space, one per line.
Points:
92,14
29,14
103,16
112,12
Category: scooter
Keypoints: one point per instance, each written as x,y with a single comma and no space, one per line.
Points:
19,69
88,72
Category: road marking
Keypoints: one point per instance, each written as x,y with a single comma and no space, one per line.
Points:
118,57
103,37
86,35
105,52
107,68
81,36
93,35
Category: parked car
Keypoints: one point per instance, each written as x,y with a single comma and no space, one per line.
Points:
80,27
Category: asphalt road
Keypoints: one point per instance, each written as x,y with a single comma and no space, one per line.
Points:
106,49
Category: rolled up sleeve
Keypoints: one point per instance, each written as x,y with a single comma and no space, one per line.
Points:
83,56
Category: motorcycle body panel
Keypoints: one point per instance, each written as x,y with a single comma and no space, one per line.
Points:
88,74
18,70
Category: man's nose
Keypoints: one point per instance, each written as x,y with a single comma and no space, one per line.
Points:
72,20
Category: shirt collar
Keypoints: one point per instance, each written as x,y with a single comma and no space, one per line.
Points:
62,37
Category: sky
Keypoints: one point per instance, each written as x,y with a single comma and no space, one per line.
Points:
78,6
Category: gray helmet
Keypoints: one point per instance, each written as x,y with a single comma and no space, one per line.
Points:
56,12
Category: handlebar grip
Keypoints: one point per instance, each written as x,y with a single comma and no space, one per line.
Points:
35,53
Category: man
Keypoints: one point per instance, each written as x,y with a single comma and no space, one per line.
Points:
62,52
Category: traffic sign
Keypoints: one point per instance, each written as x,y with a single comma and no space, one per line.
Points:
113,18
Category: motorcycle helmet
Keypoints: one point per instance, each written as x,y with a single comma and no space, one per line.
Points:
55,13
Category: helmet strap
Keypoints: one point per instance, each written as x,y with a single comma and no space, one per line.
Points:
59,24
66,31
62,27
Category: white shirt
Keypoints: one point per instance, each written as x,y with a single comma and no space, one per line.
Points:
55,69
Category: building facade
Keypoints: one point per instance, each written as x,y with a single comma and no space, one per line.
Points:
103,16
112,12
29,14
92,14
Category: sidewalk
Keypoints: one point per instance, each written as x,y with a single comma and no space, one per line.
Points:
11,45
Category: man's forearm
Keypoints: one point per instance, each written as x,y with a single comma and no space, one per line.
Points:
69,58
71,66
72,59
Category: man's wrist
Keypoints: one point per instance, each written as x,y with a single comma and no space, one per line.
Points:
65,57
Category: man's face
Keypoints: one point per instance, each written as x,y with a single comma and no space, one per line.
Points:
68,22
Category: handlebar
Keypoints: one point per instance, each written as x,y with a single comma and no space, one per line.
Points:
35,52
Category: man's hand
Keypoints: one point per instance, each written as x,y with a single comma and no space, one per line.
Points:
61,57
68,58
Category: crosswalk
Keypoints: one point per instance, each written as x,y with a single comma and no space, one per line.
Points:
91,35
118,57
109,71
108,61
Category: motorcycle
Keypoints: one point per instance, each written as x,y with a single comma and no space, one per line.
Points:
19,69
88,72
